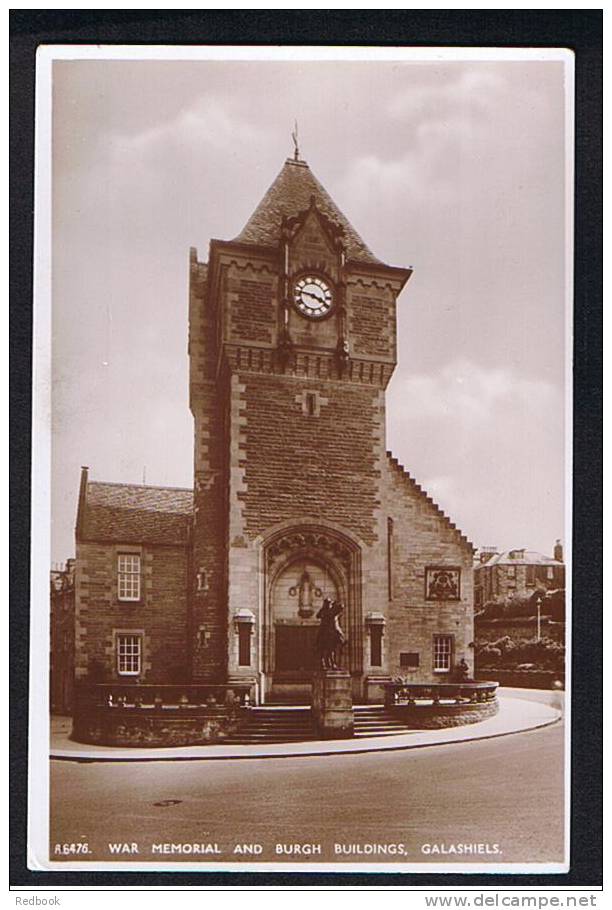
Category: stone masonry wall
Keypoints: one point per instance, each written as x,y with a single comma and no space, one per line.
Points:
423,537
371,308
250,303
208,569
299,464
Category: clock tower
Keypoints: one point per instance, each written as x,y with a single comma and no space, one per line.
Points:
292,343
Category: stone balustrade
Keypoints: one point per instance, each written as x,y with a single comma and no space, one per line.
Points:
162,697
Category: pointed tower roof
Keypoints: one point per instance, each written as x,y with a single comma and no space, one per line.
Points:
290,194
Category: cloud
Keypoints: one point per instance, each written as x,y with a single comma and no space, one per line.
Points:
473,93
487,444
440,487
440,123
208,123
471,395
475,137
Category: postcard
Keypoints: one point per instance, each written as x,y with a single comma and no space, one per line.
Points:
302,459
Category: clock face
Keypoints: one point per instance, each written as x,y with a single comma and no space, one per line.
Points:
313,296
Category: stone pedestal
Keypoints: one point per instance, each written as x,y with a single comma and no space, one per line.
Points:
332,704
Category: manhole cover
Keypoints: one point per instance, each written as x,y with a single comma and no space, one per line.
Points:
168,802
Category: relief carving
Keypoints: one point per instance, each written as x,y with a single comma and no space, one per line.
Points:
315,541
306,591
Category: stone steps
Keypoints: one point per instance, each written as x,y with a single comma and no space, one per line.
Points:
376,720
270,725
274,725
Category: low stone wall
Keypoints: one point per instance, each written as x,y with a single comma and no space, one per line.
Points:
117,714
119,726
440,716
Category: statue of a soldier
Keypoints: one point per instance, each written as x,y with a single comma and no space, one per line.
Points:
330,636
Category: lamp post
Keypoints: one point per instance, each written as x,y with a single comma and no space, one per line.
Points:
538,607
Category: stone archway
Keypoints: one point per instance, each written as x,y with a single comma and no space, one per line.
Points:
302,567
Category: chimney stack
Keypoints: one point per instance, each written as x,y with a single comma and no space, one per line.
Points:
558,551
486,553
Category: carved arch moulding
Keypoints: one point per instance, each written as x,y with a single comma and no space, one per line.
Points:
318,542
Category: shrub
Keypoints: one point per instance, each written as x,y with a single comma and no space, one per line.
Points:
507,654
556,605
505,645
517,605
492,610
520,605
488,656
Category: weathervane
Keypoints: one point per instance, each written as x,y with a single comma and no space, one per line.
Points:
294,136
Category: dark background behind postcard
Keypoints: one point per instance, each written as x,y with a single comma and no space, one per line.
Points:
578,30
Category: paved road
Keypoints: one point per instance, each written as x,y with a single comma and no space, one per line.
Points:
506,791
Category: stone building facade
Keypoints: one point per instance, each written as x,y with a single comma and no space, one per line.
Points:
292,343
132,557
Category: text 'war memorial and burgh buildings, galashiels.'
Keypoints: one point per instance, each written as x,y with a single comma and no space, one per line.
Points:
292,344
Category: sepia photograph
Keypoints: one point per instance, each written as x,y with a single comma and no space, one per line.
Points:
301,562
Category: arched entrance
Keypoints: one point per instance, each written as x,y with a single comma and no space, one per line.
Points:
303,566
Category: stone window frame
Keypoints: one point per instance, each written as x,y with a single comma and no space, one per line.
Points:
311,401
376,645
128,551
137,634
201,580
451,652
245,655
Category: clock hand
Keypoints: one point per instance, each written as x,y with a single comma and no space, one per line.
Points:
314,296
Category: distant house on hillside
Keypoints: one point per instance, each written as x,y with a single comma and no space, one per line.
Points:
520,573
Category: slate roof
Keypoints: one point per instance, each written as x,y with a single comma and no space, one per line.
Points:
129,513
289,195
526,558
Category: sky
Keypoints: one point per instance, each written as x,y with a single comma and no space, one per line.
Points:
453,168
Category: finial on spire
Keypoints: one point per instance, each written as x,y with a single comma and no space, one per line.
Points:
294,136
